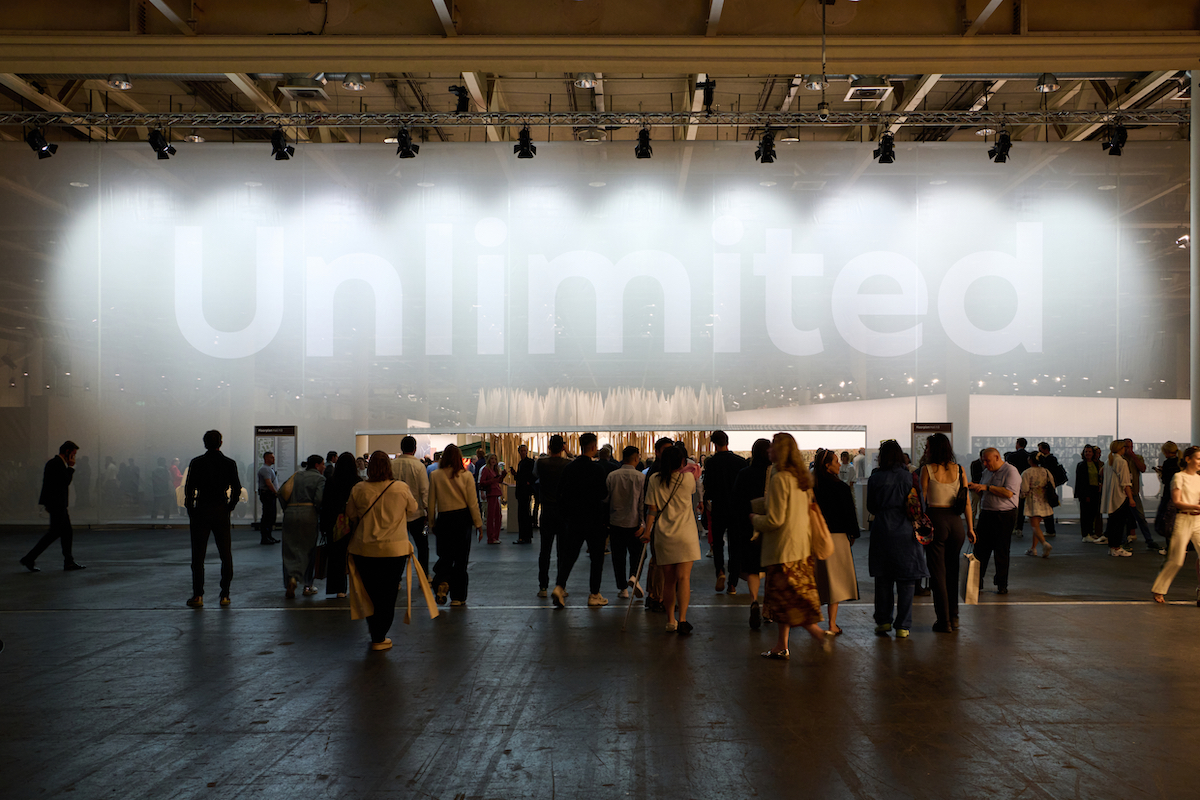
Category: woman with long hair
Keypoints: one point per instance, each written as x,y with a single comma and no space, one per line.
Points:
1087,491
1116,498
791,597
453,511
1033,491
895,557
490,481
379,509
1185,494
750,484
671,522
1171,466
836,580
941,479
338,486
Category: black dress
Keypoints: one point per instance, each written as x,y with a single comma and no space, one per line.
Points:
750,484
334,504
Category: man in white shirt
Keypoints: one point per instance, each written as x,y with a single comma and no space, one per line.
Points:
625,486
408,468
1000,489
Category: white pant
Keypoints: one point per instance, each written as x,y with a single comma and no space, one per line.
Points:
1187,529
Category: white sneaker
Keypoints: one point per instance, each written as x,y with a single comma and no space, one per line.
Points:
623,594
1119,552
597,599
1092,540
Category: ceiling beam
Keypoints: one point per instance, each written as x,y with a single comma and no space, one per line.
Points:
868,55
983,17
924,85
476,84
714,16
179,22
445,16
1131,98
697,105
261,99
45,101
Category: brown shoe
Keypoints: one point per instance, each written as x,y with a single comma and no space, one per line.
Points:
720,581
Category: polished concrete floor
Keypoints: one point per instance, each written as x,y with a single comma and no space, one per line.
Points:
1072,685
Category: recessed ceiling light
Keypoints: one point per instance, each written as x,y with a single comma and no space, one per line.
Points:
425,184
985,131
195,138
252,184
79,184
766,183
938,183
596,183
1108,187
390,140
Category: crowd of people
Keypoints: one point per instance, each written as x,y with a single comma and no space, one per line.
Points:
774,522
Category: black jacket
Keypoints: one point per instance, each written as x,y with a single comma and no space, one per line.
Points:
836,501
720,471
1019,459
1083,487
56,483
212,482
583,490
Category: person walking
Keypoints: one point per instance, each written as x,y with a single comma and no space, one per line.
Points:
55,498
267,484
491,481
525,477
413,472
378,509
1137,511
340,481
301,508
624,499
549,477
1049,462
999,491
1087,491
453,512
210,492
942,479
1036,483
720,471
1185,494
1019,458
1171,466
1116,499
749,486
837,581
670,530
161,494
791,596
582,490
895,557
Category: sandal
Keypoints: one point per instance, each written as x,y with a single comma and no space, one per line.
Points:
1158,598
778,655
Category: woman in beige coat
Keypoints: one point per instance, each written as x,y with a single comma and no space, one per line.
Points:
791,596
453,511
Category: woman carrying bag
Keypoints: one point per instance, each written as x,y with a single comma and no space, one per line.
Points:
944,490
837,581
676,544
338,486
379,548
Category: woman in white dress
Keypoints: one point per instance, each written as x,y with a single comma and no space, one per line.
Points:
1033,491
1185,494
671,529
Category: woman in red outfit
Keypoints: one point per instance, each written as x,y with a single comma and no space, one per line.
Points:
491,481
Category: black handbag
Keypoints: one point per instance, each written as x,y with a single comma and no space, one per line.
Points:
959,506
1051,495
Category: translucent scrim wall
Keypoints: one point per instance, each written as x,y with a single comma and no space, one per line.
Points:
146,301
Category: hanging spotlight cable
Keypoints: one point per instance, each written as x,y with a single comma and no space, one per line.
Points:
643,149
280,147
524,148
1115,141
886,152
160,145
766,148
404,144
999,151
37,142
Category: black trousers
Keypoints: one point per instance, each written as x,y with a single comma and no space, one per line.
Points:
624,543
336,581
942,555
1119,522
524,517
1020,514
453,532
202,522
571,541
269,509
60,528
420,537
993,534
551,530
381,579
720,526
161,502
1089,514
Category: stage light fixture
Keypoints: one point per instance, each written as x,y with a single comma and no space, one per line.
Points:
709,87
999,151
593,135
404,144
643,149
815,82
160,145
585,80
1114,143
886,152
766,148
194,137
524,148
37,142
354,81
280,147
120,81
1046,83
464,99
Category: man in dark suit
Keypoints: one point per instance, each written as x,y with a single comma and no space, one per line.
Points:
56,485
1019,458
210,493
582,491
526,477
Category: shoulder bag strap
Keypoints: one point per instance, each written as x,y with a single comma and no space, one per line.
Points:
368,511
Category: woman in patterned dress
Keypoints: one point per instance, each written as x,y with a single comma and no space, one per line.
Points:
1033,491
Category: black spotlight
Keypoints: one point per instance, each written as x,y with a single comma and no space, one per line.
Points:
886,152
524,147
161,146
709,87
643,149
999,151
464,99
1117,137
280,147
37,142
766,148
404,144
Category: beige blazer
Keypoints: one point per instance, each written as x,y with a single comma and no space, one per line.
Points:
784,528
412,471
